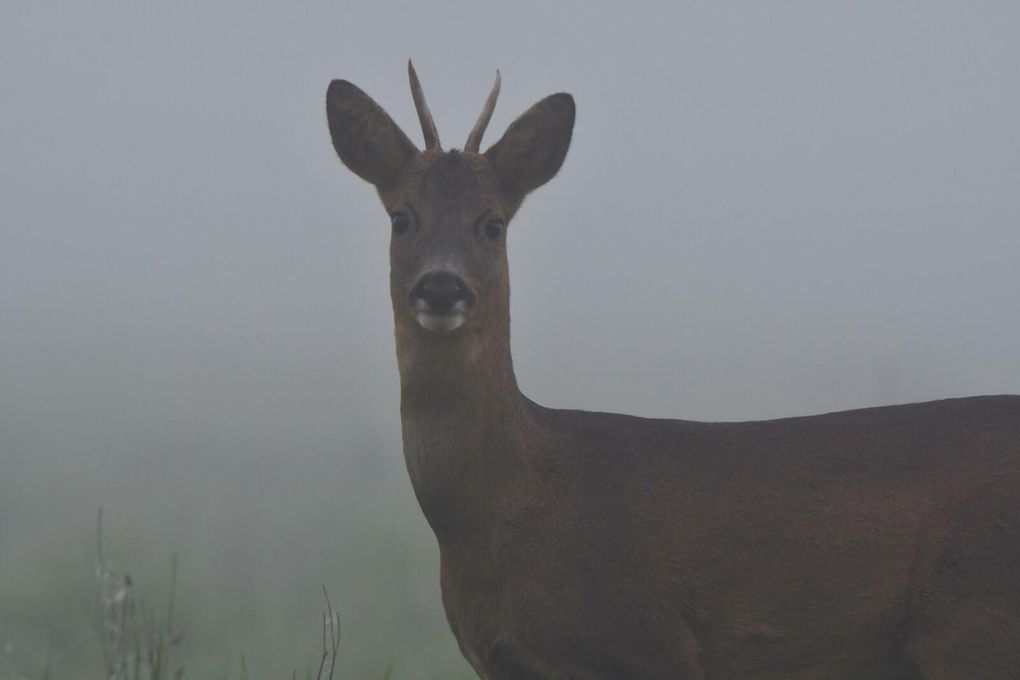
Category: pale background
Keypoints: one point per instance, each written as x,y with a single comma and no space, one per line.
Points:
769,209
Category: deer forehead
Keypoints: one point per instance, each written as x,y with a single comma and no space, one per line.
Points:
447,186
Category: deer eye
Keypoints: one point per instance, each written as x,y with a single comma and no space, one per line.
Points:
400,221
493,229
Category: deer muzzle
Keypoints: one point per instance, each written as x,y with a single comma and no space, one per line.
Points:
441,301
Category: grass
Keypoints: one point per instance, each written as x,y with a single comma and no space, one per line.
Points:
139,638
251,565
139,641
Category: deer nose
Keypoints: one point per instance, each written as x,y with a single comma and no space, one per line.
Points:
441,292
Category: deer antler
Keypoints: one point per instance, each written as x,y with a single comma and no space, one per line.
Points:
474,139
428,126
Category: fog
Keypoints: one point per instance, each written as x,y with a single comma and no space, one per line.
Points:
767,210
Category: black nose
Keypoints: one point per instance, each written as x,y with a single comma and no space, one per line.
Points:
441,292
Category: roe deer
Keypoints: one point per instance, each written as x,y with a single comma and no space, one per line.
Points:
872,544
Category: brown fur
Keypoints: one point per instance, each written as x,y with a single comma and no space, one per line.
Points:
874,544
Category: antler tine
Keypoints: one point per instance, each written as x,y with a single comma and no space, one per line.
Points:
428,126
474,140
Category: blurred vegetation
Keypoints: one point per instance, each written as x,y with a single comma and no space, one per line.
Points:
137,640
257,530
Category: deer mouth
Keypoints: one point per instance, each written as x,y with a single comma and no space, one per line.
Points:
444,322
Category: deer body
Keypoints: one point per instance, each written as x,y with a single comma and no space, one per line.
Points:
873,544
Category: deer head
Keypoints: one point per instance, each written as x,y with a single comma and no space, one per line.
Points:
449,211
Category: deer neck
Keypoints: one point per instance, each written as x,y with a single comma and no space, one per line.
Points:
464,424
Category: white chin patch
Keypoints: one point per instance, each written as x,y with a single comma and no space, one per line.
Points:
440,323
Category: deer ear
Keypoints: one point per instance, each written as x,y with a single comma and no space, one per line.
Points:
367,140
534,146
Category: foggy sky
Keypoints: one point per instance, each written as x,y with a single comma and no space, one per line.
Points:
765,211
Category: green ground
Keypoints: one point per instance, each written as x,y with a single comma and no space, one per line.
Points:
258,532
